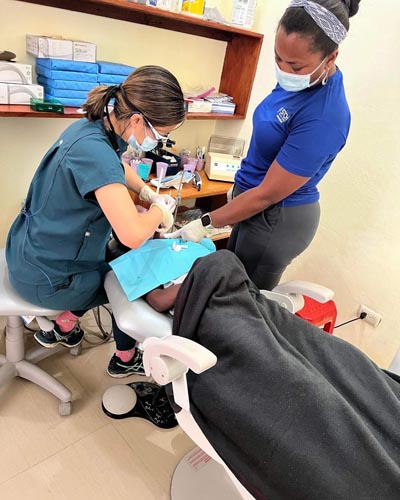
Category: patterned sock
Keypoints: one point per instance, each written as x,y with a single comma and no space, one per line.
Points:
125,356
66,321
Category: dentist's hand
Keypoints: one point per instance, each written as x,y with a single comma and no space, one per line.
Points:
147,194
168,218
194,231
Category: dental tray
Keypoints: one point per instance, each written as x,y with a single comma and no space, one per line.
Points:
173,181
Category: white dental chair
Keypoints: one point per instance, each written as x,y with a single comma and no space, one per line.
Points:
16,362
201,474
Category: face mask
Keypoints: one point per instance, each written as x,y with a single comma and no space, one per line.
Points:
294,83
148,143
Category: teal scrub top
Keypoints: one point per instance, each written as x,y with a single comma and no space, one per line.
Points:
62,230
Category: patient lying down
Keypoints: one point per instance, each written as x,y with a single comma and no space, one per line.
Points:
295,413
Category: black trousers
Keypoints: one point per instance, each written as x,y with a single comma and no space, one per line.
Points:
268,242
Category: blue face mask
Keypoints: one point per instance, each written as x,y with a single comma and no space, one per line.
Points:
292,82
148,143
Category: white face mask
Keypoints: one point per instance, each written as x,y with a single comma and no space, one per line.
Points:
293,82
148,143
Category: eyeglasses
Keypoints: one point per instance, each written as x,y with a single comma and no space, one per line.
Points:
159,137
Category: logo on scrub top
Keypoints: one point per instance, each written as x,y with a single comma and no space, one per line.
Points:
282,115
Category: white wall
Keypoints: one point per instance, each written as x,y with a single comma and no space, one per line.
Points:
356,249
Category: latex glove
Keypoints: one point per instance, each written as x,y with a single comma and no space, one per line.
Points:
229,194
147,194
194,231
168,218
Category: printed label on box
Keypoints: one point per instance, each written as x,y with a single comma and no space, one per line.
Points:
3,93
21,94
15,73
84,51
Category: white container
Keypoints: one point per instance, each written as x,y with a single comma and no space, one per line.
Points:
243,12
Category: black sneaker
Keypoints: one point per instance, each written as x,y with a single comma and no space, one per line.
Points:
56,337
118,368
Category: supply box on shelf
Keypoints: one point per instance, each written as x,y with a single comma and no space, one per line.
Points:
49,106
11,72
60,48
14,93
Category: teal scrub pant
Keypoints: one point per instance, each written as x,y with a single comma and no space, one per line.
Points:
268,242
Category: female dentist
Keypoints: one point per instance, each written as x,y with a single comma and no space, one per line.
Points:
298,130
56,247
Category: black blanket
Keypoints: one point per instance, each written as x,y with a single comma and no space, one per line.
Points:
295,413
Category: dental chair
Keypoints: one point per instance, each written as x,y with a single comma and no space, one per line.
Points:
201,474
16,362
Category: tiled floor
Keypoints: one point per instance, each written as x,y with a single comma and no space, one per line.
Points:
86,455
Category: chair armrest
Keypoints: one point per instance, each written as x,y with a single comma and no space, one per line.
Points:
178,355
168,359
317,292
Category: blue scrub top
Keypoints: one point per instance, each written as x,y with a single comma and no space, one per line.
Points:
303,131
62,230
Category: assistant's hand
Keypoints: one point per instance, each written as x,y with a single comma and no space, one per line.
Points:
194,231
168,218
147,194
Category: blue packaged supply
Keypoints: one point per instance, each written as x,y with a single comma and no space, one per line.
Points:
73,103
65,84
156,263
72,94
64,65
110,79
111,68
65,75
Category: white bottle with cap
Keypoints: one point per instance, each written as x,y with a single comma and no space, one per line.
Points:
243,12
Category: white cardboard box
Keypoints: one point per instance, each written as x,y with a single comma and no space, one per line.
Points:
199,106
21,94
15,73
58,48
3,93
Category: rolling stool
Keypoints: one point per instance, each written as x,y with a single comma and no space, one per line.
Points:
18,363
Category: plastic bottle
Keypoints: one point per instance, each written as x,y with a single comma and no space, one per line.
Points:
193,7
243,12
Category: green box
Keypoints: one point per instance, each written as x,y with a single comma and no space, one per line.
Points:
50,106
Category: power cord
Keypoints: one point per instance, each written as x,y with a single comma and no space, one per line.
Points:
363,315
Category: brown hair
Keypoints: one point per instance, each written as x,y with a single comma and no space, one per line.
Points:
151,91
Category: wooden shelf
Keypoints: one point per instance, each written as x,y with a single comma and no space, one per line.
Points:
19,110
241,55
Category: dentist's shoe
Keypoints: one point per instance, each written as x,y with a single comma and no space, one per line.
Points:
55,337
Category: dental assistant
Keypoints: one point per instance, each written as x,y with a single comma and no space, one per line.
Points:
298,130
56,247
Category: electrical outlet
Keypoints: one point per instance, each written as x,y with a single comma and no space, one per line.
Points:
372,317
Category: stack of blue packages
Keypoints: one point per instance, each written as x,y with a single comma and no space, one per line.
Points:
67,81
110,73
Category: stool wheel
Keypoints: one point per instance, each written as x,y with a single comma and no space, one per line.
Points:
77,350
65,408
